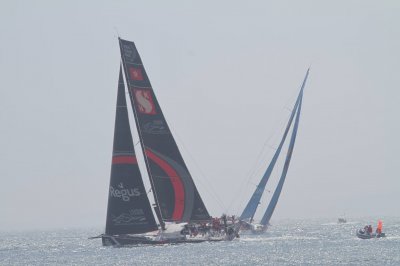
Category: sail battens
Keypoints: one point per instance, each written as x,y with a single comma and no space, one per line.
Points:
176,197
136,64
124,160
122,153
140,87
165,176
129,210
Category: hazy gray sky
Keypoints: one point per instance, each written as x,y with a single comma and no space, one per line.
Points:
225,73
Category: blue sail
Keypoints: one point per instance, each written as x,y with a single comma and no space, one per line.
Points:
274,200
251,207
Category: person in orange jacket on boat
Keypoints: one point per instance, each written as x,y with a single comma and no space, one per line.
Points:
379,228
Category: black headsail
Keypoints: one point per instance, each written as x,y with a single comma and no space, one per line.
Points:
175,192
129,209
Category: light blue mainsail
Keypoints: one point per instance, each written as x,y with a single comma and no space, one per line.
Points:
274,200
251,207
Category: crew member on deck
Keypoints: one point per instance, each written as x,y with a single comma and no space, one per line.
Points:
369,229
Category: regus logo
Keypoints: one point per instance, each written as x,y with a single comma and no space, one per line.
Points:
124,193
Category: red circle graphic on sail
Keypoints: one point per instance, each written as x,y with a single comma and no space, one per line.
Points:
176,184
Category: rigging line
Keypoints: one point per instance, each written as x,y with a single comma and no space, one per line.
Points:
291,98
259,159
275,176
210,191
288,100
116,30
259,163
252,172
272,147
213,194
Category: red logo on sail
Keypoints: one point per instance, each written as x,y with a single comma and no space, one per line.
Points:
144,101
135,73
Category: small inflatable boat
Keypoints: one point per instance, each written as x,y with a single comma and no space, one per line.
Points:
365,235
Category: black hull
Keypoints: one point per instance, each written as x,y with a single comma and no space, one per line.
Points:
364,235
125,240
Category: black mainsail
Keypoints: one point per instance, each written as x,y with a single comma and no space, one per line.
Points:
175,193
129,210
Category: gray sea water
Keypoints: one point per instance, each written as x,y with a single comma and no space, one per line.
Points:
288,242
